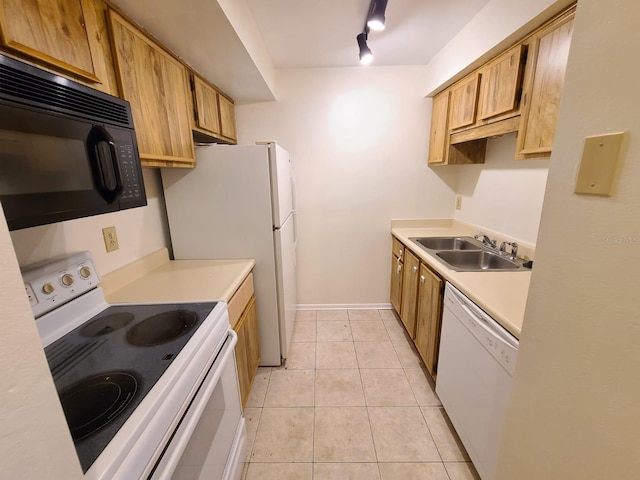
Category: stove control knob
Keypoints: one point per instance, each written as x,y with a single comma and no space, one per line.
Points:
67,280
85,272
48,288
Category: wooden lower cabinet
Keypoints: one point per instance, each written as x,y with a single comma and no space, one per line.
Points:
247,349
409,292
428,317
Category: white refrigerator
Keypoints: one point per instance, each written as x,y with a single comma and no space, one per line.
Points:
239,202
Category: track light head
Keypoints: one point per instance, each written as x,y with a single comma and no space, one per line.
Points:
365,52
375,20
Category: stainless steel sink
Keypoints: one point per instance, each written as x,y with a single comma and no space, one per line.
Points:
448,243
476,261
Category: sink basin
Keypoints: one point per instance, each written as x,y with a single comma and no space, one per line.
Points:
476,261
448,243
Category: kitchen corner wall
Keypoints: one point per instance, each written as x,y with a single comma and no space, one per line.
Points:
140,231
358,139
503,195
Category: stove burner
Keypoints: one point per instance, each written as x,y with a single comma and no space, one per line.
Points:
95,401
107,324
162,328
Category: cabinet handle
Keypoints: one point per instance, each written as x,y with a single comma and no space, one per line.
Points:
399,267
421,278
400,253
415,269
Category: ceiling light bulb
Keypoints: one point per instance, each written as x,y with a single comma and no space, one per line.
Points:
376,18
376,24
365,52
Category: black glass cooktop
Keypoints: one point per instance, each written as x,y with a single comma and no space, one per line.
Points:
104,368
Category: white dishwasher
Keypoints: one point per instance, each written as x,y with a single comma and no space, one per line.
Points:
475,366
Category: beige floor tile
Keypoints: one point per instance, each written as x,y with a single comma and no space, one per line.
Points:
407,355
306,315
461,471
304,331
413,471
251,421
396,330
335,355
376,355
346,471
333,331
245,468
284,435
332,315
355,315
400,434
301,356
280,471
443,433
369,331
341,387
342,434
387,314
290,388
259,388
387,387
421,386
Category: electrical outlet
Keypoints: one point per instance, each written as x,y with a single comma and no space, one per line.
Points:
458,202
110,239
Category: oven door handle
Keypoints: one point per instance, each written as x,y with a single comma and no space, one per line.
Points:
195,412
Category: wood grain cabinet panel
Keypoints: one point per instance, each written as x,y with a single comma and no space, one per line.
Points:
205,99
439,134
429,317
464,99
549,52
156,85
409,292
397,252
501,82
247,349
51,32
227,118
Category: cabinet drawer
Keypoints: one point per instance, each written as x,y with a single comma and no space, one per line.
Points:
240,300
398,248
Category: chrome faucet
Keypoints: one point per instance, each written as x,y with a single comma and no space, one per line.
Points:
485,239
514,249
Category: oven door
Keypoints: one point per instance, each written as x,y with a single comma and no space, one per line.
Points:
209,442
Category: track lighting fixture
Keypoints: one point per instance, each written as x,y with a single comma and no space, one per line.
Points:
365,52
375,19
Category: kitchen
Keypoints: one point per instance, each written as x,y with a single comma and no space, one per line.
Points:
547,426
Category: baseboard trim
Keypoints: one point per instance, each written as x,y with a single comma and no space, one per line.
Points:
343,306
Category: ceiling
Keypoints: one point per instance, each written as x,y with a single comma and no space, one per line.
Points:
322,33
239,44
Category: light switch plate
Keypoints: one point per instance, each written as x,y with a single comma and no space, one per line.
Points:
600,158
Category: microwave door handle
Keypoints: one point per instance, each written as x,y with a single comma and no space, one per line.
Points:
111,194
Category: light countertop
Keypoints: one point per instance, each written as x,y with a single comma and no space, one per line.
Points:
155,278
502,294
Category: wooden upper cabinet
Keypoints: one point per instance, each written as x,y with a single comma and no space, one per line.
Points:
439,134
207,113
227,118
549,52
464,99
501,83
50,32
156,85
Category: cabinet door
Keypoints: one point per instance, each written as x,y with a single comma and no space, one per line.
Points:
156,85
409,292
428,317
549,52
501,82
253,340
396,283
439,134
242,364
48,31
227,118
206,105
464,99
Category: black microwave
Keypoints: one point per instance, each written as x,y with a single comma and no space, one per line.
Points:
66,150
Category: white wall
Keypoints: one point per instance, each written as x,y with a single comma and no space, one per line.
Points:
574,412
358,138
503,195
35,442
140,231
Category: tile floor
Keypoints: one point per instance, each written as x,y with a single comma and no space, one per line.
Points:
352,402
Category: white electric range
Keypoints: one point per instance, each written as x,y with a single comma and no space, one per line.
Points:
149,391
